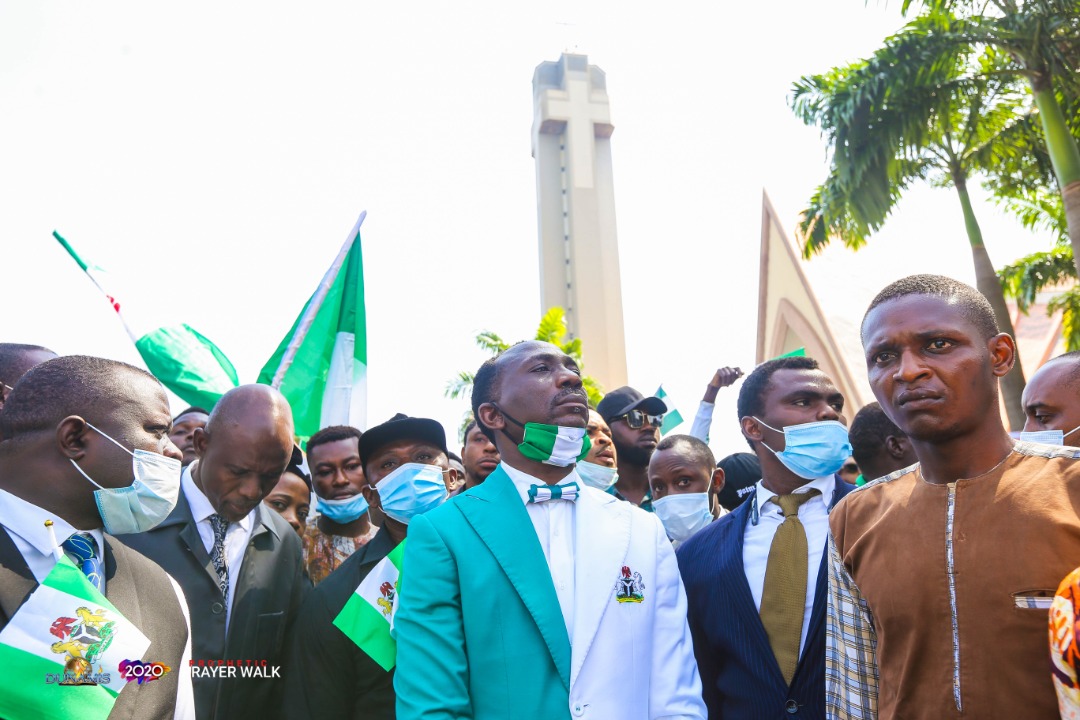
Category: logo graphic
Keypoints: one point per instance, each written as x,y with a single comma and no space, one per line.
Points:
386,602
141,672
629,588
83,639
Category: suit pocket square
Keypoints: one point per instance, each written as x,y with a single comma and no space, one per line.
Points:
1034,599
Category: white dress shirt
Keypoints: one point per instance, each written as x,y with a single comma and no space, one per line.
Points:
236,536
813,514
25,524
554,524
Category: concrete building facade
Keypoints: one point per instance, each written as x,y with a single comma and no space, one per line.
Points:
579,253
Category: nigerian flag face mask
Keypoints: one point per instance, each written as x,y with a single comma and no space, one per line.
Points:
551,444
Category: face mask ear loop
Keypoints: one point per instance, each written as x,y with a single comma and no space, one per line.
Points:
1070,432
81,472
109,438
771,428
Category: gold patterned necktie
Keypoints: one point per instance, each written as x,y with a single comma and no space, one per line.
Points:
783,596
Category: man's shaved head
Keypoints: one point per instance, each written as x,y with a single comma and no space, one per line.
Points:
252,406
63,386
16,359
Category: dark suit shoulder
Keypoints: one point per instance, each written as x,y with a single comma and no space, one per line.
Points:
334,591
715,537
133,560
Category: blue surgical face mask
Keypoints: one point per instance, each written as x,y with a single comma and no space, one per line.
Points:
597,476
144,503
1047,437
411,489
813,450
342,510
683,514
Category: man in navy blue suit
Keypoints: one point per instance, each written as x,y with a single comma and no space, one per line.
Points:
756,578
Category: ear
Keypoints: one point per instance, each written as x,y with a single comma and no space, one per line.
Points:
1002,353
371,496
895,446
71,436
490,416
717,480
751,428
199,440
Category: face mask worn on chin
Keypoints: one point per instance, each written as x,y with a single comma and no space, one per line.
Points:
1047,437
411,489
597,476
144,503
342,510
683,514
813,450
551,444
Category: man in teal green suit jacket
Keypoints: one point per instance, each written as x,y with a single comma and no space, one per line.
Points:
532,595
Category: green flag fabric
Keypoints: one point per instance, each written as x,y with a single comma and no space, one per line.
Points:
672,418
183,360
368,616
797,352
62,650
321,364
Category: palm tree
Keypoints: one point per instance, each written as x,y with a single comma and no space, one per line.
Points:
552,329
1040,40
914,111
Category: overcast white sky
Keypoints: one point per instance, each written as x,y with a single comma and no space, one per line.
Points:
213,156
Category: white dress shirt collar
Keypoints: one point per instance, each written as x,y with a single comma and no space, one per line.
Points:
523,480
201,509
28,522
825,485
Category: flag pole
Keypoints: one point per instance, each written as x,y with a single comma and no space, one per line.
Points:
86,270
314,304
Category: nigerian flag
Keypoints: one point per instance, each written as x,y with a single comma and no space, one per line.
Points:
182,359
672,418
62,650
368,615
321,364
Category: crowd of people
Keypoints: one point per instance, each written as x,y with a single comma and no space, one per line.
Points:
568,561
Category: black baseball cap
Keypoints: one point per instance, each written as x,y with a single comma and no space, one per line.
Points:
621,401
401,427
741,473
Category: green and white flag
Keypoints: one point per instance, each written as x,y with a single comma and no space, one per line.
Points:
62,650
368,617
672,418
183,360
321,364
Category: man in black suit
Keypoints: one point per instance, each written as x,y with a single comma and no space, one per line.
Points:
763,564
69,424
328,676
238,562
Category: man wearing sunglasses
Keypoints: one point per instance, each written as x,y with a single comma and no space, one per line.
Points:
635,427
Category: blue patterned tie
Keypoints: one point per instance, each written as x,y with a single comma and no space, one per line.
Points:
83,550
217,553
543,493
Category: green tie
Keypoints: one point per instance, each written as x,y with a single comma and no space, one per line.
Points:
784,594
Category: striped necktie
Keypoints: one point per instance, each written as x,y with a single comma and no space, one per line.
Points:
83,549
543,493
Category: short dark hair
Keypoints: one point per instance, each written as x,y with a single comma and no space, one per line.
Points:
868,431
332,434
972,304
752,392
485,389
455,457
698,451
468,429
1073,377
191,411
68,385
12,364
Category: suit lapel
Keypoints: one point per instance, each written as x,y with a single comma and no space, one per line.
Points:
733,569
496,513
189,535
16,579
817,613
601,541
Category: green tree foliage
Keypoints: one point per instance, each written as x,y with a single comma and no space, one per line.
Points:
919,109
552,329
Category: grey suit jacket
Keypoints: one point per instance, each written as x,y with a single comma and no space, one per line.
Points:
268,594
